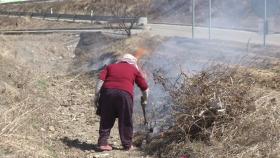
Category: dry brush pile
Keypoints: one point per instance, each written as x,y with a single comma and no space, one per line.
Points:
220,112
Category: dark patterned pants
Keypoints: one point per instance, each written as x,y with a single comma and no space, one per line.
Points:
114,104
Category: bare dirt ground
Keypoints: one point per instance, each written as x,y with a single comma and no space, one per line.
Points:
22,23
47,110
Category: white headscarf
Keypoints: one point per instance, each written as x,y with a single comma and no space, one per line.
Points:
130,59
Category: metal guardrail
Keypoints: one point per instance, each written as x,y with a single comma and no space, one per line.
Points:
21,1
71,17
10,1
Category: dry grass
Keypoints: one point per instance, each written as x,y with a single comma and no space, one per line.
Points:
35,98
220,113
83,7
26,107
22,23
42,101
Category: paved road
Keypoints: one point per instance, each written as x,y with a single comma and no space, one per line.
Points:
217,34
177,30
160,29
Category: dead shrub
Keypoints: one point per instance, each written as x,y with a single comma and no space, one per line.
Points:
205,106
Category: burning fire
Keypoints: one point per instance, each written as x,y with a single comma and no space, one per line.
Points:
140,52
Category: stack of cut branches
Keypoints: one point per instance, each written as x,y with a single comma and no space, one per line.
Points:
205,104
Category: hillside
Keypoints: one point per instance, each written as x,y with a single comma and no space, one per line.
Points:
208,98
229,14
47,91
46,96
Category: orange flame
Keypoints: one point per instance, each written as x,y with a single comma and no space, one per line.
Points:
139,53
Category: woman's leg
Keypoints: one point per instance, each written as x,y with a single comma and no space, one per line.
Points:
107,116
125,111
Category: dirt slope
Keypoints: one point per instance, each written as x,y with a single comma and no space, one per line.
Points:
46,89
47,109
23,23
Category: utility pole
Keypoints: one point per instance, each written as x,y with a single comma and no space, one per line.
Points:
265,24
193,17
210,18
